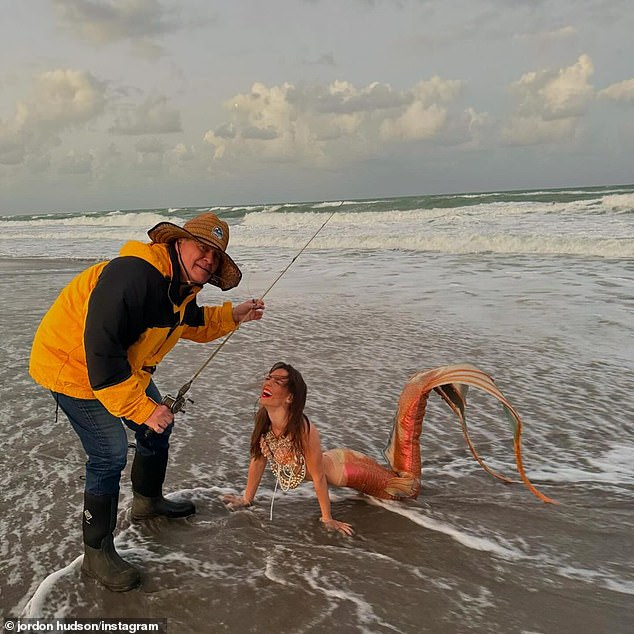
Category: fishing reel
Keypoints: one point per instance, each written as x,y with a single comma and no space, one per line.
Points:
175,403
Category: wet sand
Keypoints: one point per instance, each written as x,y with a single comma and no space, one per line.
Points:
470,555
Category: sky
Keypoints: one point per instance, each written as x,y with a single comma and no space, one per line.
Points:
124,104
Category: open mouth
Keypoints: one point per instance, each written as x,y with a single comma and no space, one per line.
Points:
266,393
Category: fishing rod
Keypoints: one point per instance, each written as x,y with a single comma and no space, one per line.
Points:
177,403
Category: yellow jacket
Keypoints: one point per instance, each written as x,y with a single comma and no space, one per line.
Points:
114,322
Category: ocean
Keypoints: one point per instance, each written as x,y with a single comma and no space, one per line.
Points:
536,288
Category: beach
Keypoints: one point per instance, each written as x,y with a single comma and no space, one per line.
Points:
536,290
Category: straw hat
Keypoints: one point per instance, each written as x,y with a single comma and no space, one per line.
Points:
210,230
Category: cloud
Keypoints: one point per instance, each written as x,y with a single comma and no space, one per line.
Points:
535,131
555,94
417,122
622,91
60,111
225,131
327,124
341,97
59,100
151,117
253,132
149,146
550,104
103,22
183,153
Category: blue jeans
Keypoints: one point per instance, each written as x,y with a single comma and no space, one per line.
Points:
105,440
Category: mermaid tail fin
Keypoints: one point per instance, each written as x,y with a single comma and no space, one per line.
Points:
450,382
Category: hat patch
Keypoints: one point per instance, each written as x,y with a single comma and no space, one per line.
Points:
217,231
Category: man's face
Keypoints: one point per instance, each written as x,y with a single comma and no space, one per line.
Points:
199,260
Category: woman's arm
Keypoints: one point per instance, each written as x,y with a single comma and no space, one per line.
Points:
315,466
256,469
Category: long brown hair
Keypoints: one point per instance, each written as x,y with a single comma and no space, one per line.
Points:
297,422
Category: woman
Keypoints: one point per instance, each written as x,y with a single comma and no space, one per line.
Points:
285,438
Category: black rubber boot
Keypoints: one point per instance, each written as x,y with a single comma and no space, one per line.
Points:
148,475
101,560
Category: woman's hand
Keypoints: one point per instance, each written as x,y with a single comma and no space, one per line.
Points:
248,311
335,525
234,502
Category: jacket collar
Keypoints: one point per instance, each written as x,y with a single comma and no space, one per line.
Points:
164,258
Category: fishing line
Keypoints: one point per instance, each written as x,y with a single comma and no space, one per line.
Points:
176,403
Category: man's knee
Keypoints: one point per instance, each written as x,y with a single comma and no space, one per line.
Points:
103,473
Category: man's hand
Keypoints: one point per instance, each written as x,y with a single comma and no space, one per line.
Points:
159,419
248,311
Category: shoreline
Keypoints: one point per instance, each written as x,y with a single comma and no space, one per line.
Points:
8,264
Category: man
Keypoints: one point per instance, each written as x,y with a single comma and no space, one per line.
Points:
96,349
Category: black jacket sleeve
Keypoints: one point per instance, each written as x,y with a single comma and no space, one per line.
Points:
119,311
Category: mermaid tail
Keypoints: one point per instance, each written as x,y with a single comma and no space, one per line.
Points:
357,471
352,469
450,382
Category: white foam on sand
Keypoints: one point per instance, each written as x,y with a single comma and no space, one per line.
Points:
38,605
470,541
613,466
271,567
34,607
625,587
319,582
597,577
